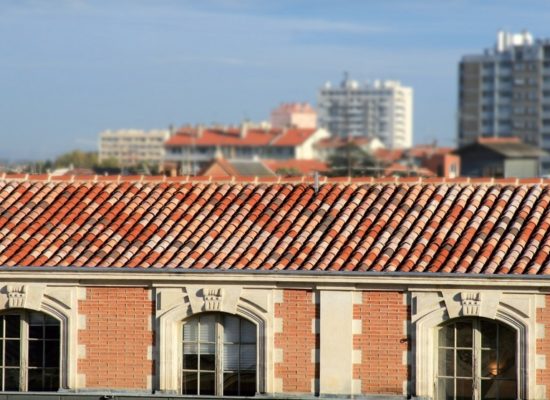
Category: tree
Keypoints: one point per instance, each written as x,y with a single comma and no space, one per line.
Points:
352,160
77,159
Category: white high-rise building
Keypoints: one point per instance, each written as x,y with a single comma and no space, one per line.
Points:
382,109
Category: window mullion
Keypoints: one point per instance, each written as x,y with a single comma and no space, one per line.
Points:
24,352
476,358
219,356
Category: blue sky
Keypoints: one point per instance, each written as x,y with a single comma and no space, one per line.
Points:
71,68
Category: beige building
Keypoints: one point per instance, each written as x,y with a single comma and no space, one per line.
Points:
131,147
294,115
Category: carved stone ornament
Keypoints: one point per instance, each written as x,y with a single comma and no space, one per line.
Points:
471,302
212,299
16,296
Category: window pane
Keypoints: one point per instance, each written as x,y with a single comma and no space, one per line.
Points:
207,357
36,318
12,352
36,380
488,334
230,384
464,389
464,363
489,366
207,384
445,389
507,352
190,330
36,332
207,328
189,383
36,358
13,326
464,334
489,389
52,353
446,362
52,332
447,336
507,390
248,332
248,384
248,357
51,379
12,379
231,329
231,357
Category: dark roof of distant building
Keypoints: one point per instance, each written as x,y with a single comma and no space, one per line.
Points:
509,147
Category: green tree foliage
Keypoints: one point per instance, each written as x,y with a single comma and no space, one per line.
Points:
352,160
77,159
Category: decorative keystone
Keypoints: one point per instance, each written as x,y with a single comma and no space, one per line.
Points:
212,299
16,296
471,303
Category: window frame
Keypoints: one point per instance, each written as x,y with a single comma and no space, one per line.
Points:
477,348
219,343
24,338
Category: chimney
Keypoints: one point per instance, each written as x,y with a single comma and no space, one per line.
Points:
200,130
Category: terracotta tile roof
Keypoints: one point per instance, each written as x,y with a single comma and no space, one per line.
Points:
233,137
407,225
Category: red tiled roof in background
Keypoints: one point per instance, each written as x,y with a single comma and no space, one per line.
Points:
233,137
415,226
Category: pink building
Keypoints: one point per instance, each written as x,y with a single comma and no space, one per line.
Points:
294,115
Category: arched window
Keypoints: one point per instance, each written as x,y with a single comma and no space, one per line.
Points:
29,351
477,359
219,356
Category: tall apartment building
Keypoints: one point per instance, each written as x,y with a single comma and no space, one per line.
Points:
131,147
382,110
505,92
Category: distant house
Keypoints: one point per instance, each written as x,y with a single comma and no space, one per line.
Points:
191,149
326,148
294,115
420,160
500,158
262,168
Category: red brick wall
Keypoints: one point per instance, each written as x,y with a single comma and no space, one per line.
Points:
381,342
297,341
117,337
543,345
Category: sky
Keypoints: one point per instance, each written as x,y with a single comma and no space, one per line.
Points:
72,68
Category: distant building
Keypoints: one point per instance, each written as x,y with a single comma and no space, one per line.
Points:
505,91
261,168
383,110
326,148
500,158
192,148
294,115
420,160
131,147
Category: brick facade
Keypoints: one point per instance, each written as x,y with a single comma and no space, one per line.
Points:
382,342
297,341
117,338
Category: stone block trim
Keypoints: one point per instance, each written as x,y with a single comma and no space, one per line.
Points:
543,342
296,342
382,343
117,339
